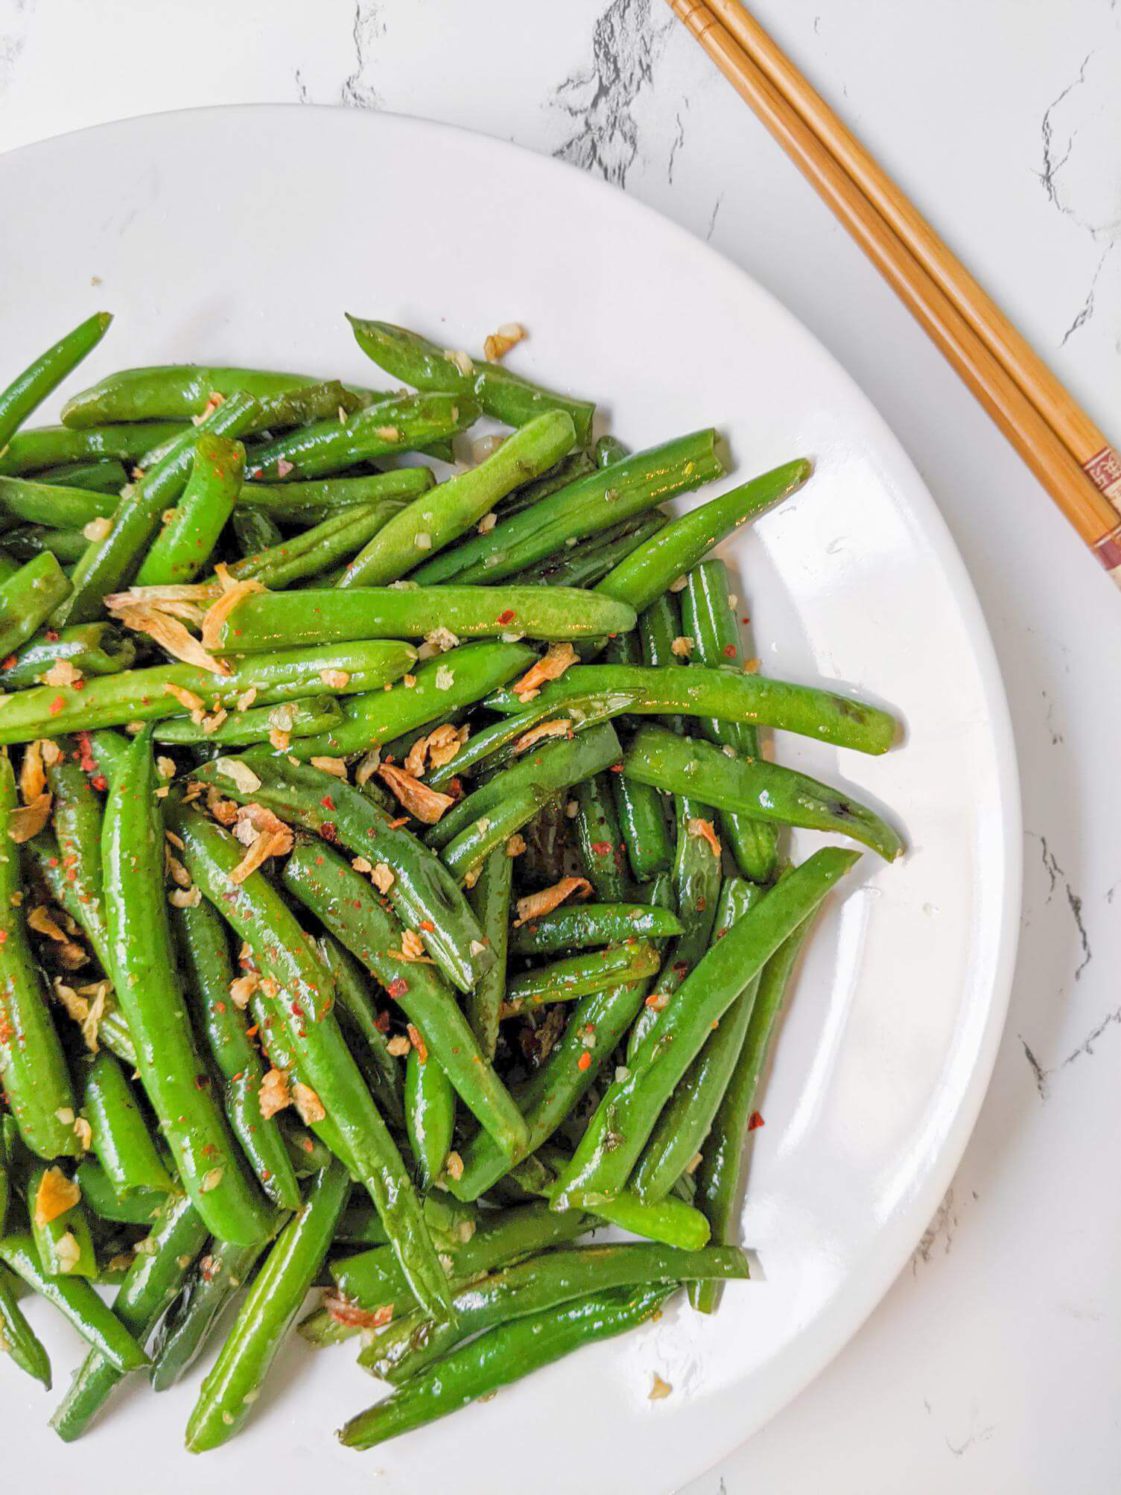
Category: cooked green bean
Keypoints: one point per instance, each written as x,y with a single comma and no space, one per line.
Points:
399,423
186,542
439,687
29,542
109,561
95,476
272,621
646,573
200,937
144,975
76,1300
150,1284
423,364
411,1344
354,1002
49,446
63,1240
422,892
140,1207
503,1355
254,530
490,900
91,648
121,1139
175,391
599,839
267,1313
151,694
292,719
639,809
33,1069
566,471
629,1110
301,1032
429,1115
28,598
314,551
589,561
30,388
724,1161
587,507
17,1336
218,1276
763,790
671,1221
579,975
308,501
586,925
347,905
51,504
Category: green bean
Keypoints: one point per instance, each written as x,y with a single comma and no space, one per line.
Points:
32,1067
398,423
186,542
305,718
8,565
28,542
63,1243
30,388
490,900
121,1140
410,1345
267,1313
319,400
51,504
699,691
555,1090
267,622
580,975
49,446
630,1108
92,649
496,1358
684,1124
723,1166
429,1115
28,598
150,1284
108,562
358,1011
587,925
93,475
478,823
654,566
436,519
316,550
217,1278
140,1207
346,904
423,364
423,893
301,1033
360,1226
599,839
709,619
171,392
762,790
254,529
593,504
566,471
143,969
589,561
17,1336
639,809
371,720
671,1221
306,502
151,694
372,1279
77,817
76,1301
203,946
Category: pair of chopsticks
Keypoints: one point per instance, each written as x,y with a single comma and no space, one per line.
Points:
1056,438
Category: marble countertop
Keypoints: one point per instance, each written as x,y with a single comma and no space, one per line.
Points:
994,1363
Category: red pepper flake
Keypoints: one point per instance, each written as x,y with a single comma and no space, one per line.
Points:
308,1145
57,705
52,635
584,1061
99,781
507,616
417,1042
601,848
729,651
253,1031
327,802
745,619
3,936
381,1022
397,987
328,832
616,768
427,926
755,1122
11,662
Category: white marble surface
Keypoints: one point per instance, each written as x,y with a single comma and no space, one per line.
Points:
994,1364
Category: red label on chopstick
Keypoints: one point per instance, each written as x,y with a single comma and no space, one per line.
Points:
1104,471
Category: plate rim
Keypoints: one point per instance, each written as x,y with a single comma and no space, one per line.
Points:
840,1324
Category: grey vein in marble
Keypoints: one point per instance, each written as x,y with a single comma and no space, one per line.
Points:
358,90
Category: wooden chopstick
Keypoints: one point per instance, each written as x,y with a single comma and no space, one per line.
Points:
944,304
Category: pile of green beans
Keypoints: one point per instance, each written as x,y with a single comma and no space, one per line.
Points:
396,888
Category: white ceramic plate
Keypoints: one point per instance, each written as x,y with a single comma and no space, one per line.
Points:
241,236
